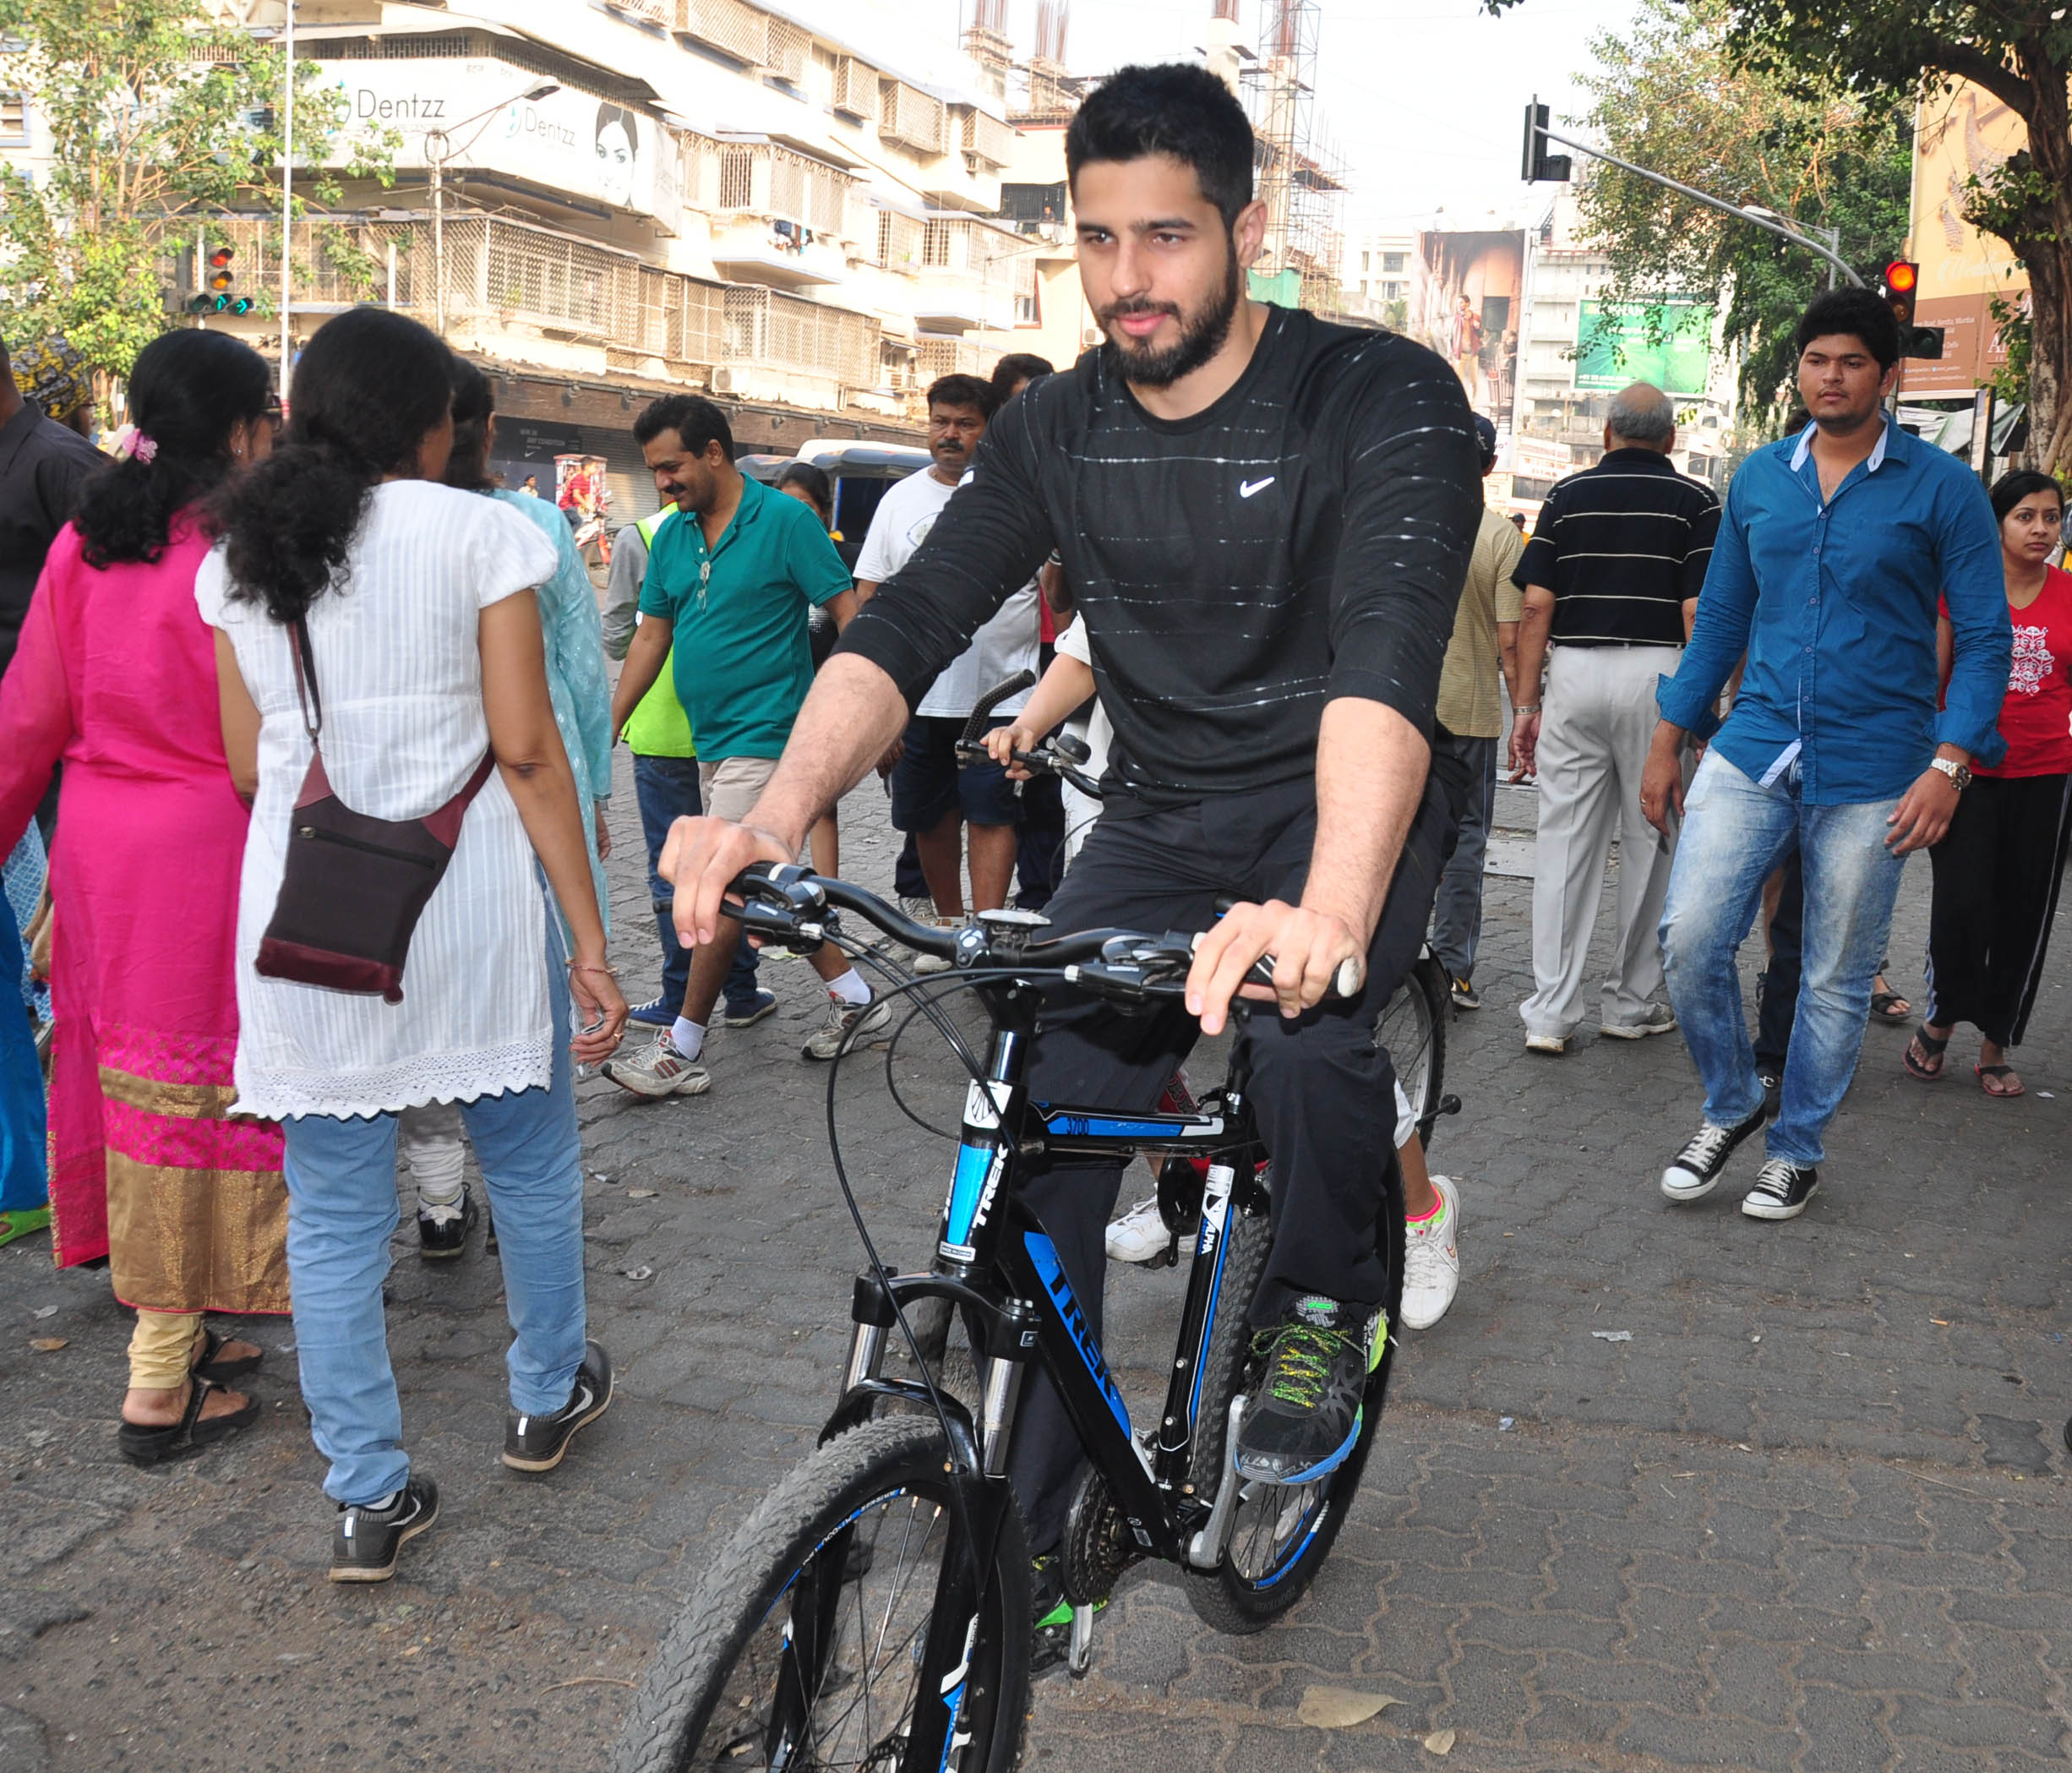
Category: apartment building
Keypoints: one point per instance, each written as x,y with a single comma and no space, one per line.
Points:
1378,276
1574,352
791,206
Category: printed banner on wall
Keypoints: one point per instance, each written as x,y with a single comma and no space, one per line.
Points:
1667,343
568,141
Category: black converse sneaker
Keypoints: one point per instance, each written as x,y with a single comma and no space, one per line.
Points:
1781,1190
1305,1416
1695,1171
364,1546
536,1442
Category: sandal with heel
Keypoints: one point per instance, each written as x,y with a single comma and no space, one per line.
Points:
207,1365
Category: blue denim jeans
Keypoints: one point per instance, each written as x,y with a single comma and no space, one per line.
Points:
665,789
342,1213
1457,914
1735,832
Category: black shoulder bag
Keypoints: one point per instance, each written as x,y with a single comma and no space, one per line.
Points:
354,886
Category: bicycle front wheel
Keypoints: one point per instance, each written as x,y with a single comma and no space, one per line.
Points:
1412,1030
802,1645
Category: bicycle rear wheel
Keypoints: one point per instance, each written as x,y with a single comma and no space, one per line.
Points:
1412,1030
1283,1532
802,1646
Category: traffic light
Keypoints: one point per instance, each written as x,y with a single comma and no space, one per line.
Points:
218,296
1537,163
1898,287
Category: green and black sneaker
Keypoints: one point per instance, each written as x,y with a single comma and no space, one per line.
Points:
1304,1417
1051,1617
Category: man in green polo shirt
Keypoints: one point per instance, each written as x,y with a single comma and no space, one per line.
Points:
725,604
665,783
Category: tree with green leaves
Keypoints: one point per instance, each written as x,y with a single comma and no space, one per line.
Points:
157,112
1670,96
1884,55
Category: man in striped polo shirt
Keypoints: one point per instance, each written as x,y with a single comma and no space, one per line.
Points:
1610,578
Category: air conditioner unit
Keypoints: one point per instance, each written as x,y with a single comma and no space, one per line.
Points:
726,380
1091,337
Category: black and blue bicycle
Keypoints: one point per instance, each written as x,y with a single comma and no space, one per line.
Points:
872,1614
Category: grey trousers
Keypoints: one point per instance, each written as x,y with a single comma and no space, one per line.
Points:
1600,719
1457,914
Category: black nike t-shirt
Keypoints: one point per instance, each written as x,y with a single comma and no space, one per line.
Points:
1303,538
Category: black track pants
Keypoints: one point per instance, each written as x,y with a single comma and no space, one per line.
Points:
1322,1091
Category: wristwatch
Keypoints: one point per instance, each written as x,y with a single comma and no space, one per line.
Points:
1959,774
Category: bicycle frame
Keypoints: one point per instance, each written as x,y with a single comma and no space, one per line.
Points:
995,1261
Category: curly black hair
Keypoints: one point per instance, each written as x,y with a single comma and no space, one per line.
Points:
187,390
367,388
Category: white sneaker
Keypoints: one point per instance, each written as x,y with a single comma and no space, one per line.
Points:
1432,1261
1658,1018
659,1070
935,963
1140,1235
844,1019
1547,1043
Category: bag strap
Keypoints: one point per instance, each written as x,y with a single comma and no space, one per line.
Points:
445,823
305,691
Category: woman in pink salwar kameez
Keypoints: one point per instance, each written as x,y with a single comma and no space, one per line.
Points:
114,675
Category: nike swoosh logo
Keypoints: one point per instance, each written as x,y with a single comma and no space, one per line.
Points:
1250,487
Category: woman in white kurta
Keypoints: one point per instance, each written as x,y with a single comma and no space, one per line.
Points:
418,601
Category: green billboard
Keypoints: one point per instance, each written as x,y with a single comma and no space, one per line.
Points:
1667,343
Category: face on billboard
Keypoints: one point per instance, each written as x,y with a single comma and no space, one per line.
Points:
618,154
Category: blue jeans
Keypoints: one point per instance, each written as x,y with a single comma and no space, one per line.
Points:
342,1213
1735,832
665,789
1457,914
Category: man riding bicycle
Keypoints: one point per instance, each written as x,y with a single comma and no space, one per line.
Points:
1265,520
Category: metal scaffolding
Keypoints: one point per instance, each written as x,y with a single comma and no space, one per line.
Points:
1301,176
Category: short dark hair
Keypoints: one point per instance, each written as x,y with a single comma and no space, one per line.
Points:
1176,109
963,390
1018,366
693,418
813,481
2010,489
1858,313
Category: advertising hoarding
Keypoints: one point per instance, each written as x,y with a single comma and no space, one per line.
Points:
1668,343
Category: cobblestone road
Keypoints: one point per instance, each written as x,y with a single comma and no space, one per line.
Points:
1810,1516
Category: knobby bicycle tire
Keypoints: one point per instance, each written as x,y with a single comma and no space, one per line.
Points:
697,1707
1227,1597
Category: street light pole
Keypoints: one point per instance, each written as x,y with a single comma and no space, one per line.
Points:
1754,214
287,178
439,148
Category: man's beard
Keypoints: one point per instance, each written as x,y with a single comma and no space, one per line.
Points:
1200,338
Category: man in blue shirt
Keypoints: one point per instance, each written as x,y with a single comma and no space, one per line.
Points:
729,588
1833,552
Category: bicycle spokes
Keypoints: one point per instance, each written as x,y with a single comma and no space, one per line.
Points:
828,1683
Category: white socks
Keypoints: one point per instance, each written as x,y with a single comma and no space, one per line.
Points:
850,989
688,1037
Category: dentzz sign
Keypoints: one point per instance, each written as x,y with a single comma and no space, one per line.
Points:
570,142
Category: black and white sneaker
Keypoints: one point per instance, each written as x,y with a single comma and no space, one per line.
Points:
1694,1173
442,1230
1782,1189
363,1547
536,1442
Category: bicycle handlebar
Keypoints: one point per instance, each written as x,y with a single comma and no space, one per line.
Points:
790,903
974,729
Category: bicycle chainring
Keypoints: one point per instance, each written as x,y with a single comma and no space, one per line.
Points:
1098,1546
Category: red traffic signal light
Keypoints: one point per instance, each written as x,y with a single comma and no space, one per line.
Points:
1901,277
221,258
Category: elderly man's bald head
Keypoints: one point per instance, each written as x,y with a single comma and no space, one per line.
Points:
1641,417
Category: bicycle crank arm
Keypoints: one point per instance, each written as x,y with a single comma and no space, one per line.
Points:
1079,1658
1206,1550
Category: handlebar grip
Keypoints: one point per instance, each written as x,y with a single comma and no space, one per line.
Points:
983,712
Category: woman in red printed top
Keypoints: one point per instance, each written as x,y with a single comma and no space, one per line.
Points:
1997,867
